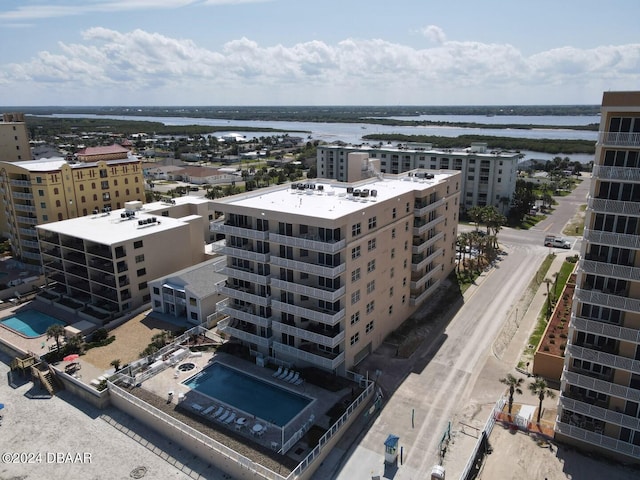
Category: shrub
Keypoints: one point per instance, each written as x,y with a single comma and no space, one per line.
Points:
99,335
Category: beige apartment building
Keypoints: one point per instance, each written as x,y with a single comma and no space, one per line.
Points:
319,273
599,406
99,265
36,192
488,177
14,138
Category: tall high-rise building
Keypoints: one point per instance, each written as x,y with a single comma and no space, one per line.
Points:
320,273
14,138
599,406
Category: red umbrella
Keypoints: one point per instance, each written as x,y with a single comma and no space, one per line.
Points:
71,358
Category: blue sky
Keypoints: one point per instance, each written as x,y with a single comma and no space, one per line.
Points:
308,52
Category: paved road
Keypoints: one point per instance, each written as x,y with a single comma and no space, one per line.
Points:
454,375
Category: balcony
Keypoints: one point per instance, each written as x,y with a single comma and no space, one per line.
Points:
32,256
308,243
619,139
104,266
19,207
601,386
77,271
100,251
20,183
241,253
219,227
108,280
22,195
601,205
597,439
326,339
414,285
420,227
327,295
242,274
75,257
245,296
599,413
246,314
233,328
606,329
609,300
624,174
27,220
299,266
610,270
308,311
612,239
422,210
416,267
606,359
322,360
414,301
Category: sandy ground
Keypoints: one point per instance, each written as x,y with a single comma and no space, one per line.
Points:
132,338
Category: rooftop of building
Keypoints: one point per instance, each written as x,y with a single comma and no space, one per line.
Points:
134,221
474,150
201,279
328,199
103,150
52,164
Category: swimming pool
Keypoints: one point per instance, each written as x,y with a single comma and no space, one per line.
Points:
30,323
249,394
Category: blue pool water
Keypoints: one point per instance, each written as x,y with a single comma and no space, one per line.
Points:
30,323
249,394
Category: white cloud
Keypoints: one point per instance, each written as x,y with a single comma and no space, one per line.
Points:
434,34
142,67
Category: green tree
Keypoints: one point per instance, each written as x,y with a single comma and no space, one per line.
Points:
475,214
116,364
514,385
56,332
540,389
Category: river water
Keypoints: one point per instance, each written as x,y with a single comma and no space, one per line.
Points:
352,132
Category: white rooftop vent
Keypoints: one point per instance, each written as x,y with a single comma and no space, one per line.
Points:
133,206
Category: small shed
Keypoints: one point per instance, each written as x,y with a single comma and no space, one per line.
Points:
391,449
83,327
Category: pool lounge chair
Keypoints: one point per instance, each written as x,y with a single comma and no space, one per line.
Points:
230,418
299,381
289,377
224,416
295,378
208,410
196,407
218,412
277,372
283,374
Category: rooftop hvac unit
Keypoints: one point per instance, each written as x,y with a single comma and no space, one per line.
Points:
374,193
321,187
429,175
349,189
294,186
356,193
364,193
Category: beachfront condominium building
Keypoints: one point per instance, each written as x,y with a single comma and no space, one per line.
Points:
487,177
599,406
99,265
36,192
319,273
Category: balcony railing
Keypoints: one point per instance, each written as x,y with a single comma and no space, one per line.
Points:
610,270
326,317
601,205
416,267
220,227
20,183
420,229
422,211
226,327
598,439
19,207
312,358
248,276
600,413
314,243
606,329
619,139
597,297
616,173
606,359
245,296
420,282
600,386
322,270
413,301
301,333
241,253
612,239
327,295
27,220
246,315
22,195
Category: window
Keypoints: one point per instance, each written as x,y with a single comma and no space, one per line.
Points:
355,318
403,299
355,275
194,316
371,286
58,203
371,244
355,252
81,188
390,309
373,222
142,286
406,226
393,253
356,229
407,207
355,338
41,193
156,291
137,244
406,245
369,326
393,213
139,258
141,272
371,306
404,264
43,205
404,282
355,297
393,233
371,266
392,272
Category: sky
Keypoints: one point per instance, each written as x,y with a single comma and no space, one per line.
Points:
316,52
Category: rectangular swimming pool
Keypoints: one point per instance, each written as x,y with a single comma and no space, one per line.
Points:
30,323
249,394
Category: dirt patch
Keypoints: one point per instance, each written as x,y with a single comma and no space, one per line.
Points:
132,337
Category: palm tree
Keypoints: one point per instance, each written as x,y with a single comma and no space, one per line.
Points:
514,387
55,331
540,388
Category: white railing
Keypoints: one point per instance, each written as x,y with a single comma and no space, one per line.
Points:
599,413
226,326
323,362
607,359
217,447
424,262
308,243
244,275
597,439
425,278
305,267
613,206
245,296
600,386
616,173
240,253
612,239
301,333
327,295
606,329
420,212
246,315
326,317
420,298
608,300
610,270
423,228
239,231
620,139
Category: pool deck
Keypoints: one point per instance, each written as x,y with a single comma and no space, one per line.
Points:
169,380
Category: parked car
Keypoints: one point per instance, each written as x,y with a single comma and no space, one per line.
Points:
557,242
